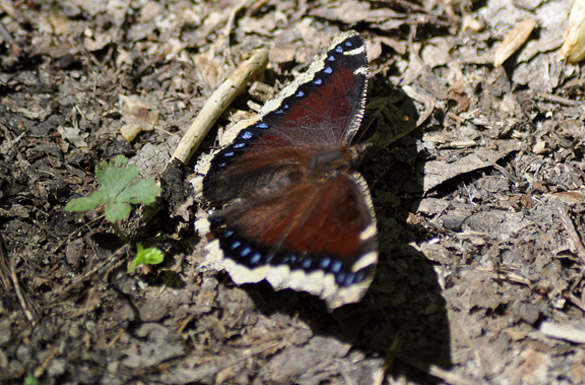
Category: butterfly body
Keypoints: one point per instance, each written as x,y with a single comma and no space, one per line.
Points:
289,206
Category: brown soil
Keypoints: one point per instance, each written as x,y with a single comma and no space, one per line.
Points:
477,181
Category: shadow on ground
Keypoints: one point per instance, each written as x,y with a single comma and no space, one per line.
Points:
403,315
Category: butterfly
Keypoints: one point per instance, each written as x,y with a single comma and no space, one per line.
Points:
287,204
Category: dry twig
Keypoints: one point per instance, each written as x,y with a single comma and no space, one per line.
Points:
24,304
217,104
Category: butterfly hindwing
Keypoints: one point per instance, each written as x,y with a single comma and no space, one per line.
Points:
317,243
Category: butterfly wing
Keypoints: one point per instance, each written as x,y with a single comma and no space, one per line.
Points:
325,105
321,109
280,220
317,238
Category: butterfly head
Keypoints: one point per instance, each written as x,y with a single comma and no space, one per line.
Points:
339,159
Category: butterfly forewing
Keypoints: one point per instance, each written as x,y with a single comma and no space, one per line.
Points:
325,106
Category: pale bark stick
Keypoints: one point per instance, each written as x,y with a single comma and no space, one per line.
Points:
217,104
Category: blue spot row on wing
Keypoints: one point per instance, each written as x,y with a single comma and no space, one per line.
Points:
256,257
282,109
245,251
339,49
243,137
252,256
240,142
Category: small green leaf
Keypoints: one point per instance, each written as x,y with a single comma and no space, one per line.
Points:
86,203
150,256
143,191
115,177
117,211
117,190
30,380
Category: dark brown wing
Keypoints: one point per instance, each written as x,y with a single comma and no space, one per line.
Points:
307,227
276,219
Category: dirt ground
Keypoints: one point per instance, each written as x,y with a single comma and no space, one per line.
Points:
477,180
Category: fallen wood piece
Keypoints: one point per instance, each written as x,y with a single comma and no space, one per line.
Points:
217,104
563,332
514,41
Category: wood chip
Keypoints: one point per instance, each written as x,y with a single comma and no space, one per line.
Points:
138,116
570,196
540,148
512,43
563,332
437,172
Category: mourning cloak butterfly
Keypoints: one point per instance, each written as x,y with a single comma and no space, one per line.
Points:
289,206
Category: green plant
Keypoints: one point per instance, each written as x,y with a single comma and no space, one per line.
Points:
118,190
30,380
150,256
